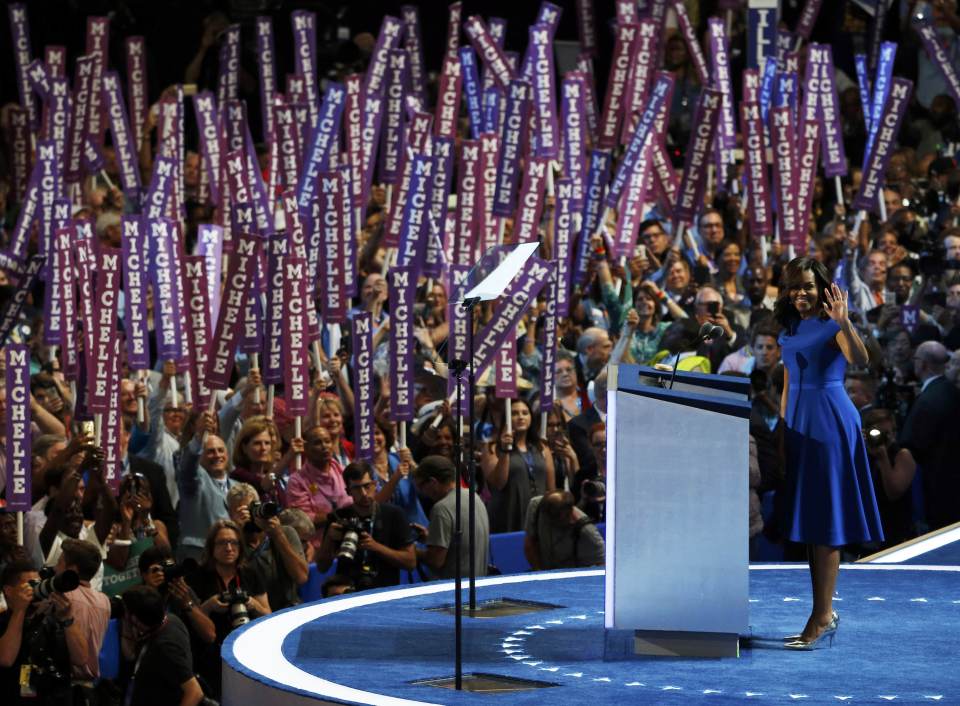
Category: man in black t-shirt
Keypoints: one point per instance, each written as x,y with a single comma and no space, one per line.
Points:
384,542
160,647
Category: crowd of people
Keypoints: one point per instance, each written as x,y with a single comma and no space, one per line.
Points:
221,514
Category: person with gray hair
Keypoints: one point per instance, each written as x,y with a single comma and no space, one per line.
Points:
929,433
593,353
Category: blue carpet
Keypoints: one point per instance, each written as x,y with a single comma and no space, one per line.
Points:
897,643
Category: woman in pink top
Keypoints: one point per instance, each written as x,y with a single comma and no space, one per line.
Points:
317,488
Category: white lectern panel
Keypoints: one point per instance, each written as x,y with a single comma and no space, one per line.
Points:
677,515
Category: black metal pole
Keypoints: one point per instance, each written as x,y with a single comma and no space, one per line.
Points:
471,461
456,367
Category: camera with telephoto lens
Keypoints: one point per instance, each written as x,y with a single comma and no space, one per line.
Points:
173,570
51,582
236,599
594,489
263,511
353,527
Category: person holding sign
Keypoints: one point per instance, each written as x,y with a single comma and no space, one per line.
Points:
829,493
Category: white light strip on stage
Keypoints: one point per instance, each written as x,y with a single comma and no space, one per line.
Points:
921,547
259,647
859,567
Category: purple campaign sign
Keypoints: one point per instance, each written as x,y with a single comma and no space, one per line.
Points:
136,86
12,313
443,148
127,157
20,35
389,38
414,46
662,90
50,187
938,55
392,135
448,101
886,132
808,17
69,354
402,295
820,80
505,382
452,43
881,88
690,194
362,340
278,248
863,84
550,337
196,296
641,75
574,130
211,147
20,149
545,92
317,158
518,297
296,367
18,437
471,90
228,80
597,179
756,169
102,358
161,185
630,208
485,46
268,73
241,267
689,34
331,276
491,104
166,287
727,132
564,234
783,142
134,249
353,136
457,346
586,27
84,68
98,39
413,229
530,206
613,107
304,26
468,203
488,231
514,128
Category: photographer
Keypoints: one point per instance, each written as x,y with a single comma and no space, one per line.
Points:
38,640
559,535
159,571
370,541
231,592
893,469
159,645
274,552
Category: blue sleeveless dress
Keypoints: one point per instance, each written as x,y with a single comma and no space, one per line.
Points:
829,497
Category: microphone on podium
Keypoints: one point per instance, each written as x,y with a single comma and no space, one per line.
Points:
707,332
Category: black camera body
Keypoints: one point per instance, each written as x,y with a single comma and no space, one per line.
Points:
173,570
353,527
594,489
51,582
236,598
263,510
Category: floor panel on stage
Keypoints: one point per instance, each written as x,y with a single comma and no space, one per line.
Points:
897,643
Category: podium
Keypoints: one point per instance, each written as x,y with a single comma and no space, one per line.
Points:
677,511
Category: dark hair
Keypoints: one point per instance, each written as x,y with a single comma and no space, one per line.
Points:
152,555
83,555
764,328
383,425
650,222
145,604
12,570
434,466
357,470
784,311
208,545
647,291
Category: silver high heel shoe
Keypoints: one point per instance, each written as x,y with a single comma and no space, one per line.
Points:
828,635
834,620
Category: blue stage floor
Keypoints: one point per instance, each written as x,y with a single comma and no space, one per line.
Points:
899,642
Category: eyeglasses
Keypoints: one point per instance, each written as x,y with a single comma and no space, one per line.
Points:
227,543
361,486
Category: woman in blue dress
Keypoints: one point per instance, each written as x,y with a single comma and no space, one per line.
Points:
829,500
